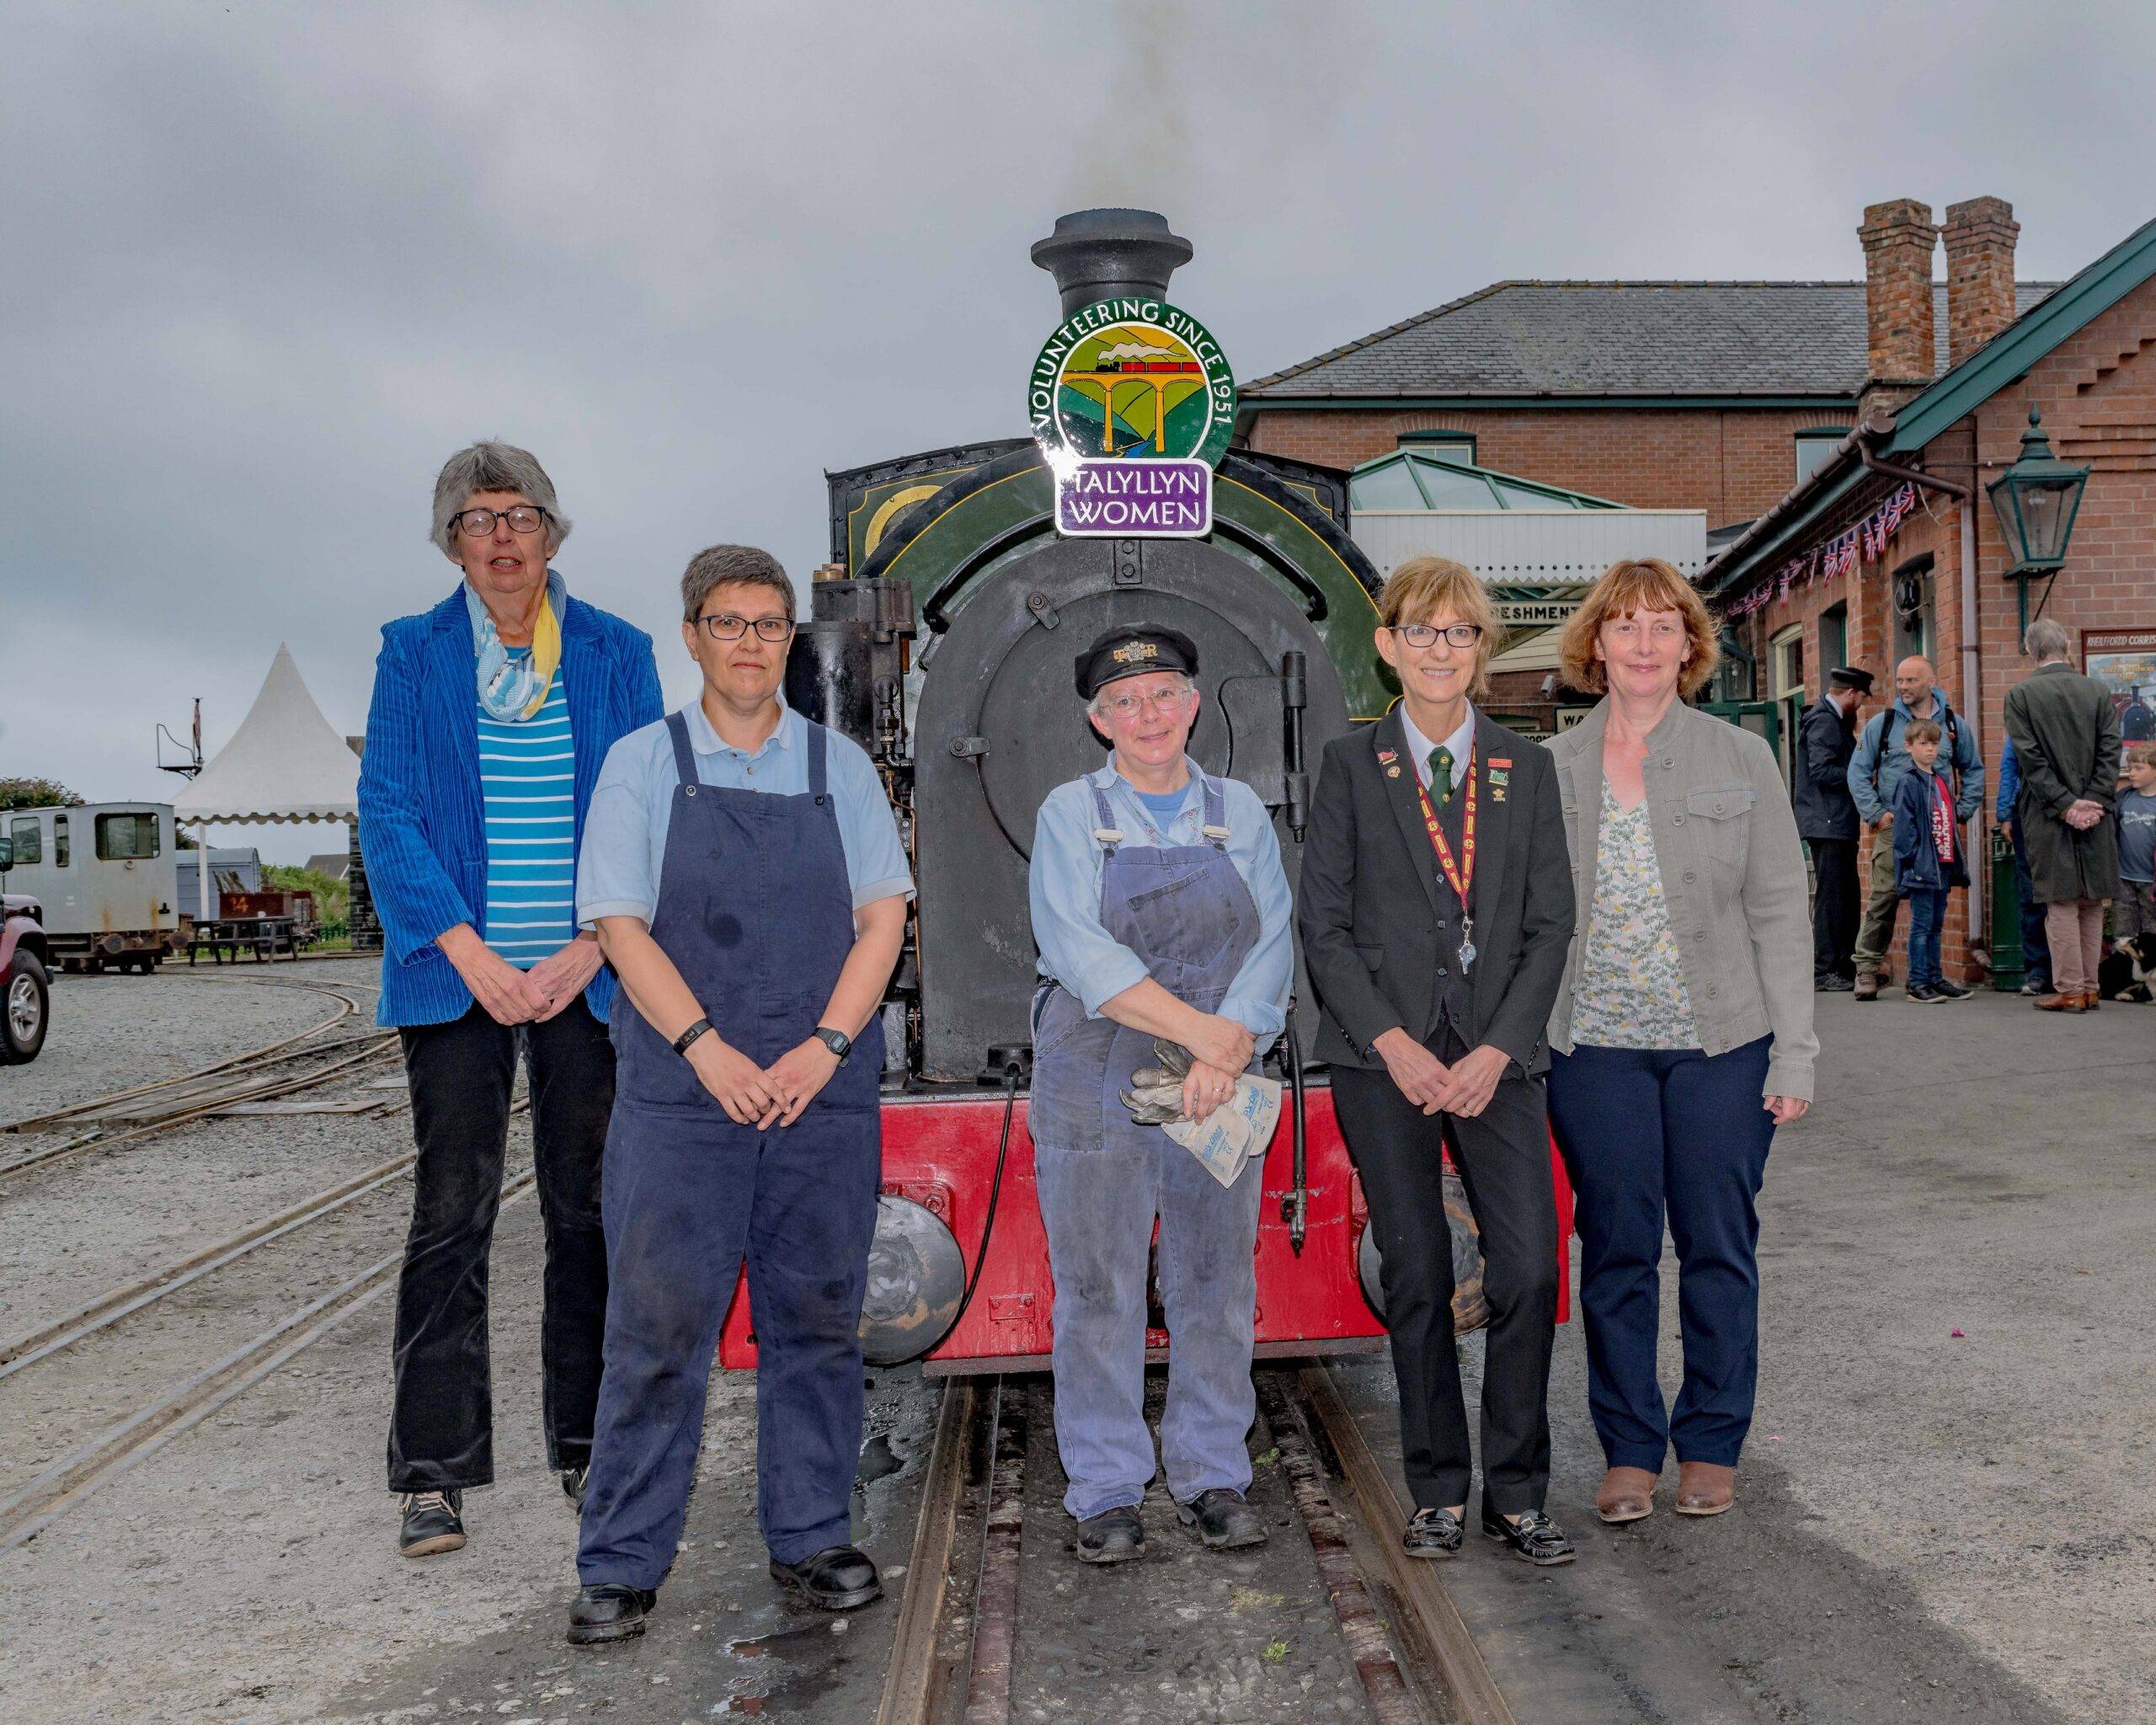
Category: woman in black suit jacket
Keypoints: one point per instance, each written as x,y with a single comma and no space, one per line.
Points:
1436,912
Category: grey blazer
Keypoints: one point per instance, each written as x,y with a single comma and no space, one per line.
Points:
1732,874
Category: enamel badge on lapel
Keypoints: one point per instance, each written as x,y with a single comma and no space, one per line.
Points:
1500,777
1391,761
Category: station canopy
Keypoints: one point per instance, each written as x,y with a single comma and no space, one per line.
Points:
1412,480
286,762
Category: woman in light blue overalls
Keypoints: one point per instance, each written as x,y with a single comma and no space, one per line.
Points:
1161,909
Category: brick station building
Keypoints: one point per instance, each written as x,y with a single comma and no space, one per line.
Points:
1801,596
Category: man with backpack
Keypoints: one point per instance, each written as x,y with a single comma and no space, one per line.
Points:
1878,766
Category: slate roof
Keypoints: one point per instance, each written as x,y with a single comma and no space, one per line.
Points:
1614,339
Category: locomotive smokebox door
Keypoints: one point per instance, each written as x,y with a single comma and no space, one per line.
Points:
991,742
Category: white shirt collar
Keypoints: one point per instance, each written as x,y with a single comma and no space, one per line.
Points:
1461,742
704,740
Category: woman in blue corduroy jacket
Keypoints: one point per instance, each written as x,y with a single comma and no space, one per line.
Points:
491,715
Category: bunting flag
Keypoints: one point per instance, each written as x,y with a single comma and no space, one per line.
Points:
1865,542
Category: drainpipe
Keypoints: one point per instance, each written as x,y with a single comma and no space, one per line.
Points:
1979,934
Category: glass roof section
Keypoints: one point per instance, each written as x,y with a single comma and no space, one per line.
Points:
1414,479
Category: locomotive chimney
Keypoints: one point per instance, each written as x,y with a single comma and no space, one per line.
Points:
1105,254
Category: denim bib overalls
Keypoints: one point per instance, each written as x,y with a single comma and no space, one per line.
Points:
755,911
1104,1179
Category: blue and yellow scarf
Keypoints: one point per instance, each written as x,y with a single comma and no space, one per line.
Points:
513,688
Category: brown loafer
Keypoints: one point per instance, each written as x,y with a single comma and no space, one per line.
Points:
1627,1495
2060,1003
1704,1487
2091,1000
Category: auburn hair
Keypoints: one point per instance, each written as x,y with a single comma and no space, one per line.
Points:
1636,584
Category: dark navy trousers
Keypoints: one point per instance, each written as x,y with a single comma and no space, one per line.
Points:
1650,1136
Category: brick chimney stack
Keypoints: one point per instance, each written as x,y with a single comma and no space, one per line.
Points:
1980,237
1898,237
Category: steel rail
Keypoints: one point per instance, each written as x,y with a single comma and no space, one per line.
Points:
1470,1690
910,1679
99,1140
996,1595
96,1461
75,1110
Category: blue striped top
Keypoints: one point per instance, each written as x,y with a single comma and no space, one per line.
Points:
527,774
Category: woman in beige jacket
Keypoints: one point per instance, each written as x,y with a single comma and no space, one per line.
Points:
1682,1035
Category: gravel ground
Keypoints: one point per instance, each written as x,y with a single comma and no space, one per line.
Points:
1932,1527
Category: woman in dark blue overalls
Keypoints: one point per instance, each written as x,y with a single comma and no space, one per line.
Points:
745,1117
1161,909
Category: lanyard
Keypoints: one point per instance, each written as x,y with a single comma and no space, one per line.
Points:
1461,875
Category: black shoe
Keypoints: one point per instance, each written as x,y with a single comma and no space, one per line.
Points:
1535,1537
1224,1520
1113,1537
574,1481
1923,994
837,1579
1433,1533
609,1612
1950,991
1833,984
434,1522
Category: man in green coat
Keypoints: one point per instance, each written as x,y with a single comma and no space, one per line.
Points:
2066,741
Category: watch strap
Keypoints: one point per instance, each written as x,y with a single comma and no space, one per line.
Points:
681,1042
837,1041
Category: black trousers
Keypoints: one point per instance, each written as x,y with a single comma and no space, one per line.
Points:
1503,1157
1837,908
442,1419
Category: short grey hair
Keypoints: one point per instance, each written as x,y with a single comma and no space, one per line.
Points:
489,465
732,566
2046,640
1098,705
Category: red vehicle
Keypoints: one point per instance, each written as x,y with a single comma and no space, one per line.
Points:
959,547
25,988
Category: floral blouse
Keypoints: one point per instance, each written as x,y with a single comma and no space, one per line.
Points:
1631,991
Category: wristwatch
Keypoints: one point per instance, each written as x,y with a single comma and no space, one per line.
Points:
681,1042
837,1041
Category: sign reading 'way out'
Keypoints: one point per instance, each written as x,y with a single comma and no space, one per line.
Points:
1133,405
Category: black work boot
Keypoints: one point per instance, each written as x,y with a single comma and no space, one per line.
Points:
1113,1537
837,1579
610,1611
1224,1520
434,1522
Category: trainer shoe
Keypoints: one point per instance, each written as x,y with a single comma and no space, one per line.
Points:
1952,990
1224,1520
434,1522
1923,994
1831,984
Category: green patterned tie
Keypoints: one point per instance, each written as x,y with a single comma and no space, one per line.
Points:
1441,775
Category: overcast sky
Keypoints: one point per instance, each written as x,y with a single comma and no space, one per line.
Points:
262,267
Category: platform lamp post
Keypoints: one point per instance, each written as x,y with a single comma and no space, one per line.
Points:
2036,500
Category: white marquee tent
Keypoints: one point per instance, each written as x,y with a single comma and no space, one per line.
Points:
286,762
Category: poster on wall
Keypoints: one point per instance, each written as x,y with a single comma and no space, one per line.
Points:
2124,661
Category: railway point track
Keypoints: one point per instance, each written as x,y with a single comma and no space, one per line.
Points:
957,1639
144,1110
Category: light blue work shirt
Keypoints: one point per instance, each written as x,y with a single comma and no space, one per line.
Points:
633,805
1064,888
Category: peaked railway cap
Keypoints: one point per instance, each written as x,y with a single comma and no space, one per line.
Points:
1131,651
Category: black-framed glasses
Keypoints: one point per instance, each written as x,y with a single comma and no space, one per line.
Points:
724,626
479,523
1459,635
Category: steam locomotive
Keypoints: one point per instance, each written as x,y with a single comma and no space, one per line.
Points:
956,551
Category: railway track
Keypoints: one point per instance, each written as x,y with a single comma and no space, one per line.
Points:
256,1074
955,1640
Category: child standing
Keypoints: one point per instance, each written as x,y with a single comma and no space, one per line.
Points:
1927,860
2134,911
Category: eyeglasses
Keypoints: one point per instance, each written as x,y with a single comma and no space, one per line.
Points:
478,523
724,626
1127,705
1460,635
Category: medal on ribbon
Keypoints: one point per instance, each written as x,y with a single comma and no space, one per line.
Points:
1459,875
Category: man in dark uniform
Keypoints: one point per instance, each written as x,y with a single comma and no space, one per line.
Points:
1827,819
